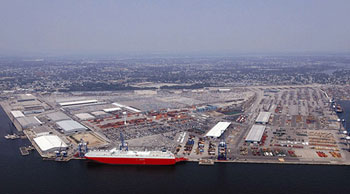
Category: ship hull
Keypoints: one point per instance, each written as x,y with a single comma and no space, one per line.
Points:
133,161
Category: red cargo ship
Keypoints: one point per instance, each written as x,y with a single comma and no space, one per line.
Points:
123,157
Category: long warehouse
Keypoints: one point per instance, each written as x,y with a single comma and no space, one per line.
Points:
255,134
263,118
218,129
81,102
27,122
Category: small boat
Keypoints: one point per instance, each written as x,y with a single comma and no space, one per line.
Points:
13,136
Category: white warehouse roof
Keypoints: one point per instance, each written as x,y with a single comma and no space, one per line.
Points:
127,107
17,114
218,129
70,126
118,105
112,109
263,117
132,109
84,116
77,102
255,134
49,142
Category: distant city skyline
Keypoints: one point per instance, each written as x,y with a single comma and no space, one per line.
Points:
173,27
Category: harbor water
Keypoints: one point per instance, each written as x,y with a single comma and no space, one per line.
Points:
32,175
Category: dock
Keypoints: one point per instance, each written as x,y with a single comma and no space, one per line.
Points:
24,151
206,162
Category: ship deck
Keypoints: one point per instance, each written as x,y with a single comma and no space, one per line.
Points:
130,154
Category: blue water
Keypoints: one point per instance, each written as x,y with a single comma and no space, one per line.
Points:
31,175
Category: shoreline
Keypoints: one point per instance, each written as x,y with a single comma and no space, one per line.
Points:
276,162
241,161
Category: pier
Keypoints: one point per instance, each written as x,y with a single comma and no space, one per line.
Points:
24,151
206,162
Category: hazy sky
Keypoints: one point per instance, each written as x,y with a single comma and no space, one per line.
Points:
173,26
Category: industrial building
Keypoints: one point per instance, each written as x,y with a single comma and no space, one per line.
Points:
57,116
70,126
218,129
118,105
17,114
33,109
25,97
108,110
27,122
263,118
206,108
81,102
84,116
50,143
255,134
99,113
224,89
126,107
132,109
27,105
41,130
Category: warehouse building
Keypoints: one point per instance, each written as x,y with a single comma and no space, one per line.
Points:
99,113
70,126
218,129
255,134
126,107
50,143
118,105
57,116
84,116
224,89
27,122
263,118
33,109
41,130
17,114
81,102
132,109
25,97
25,106
108,110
